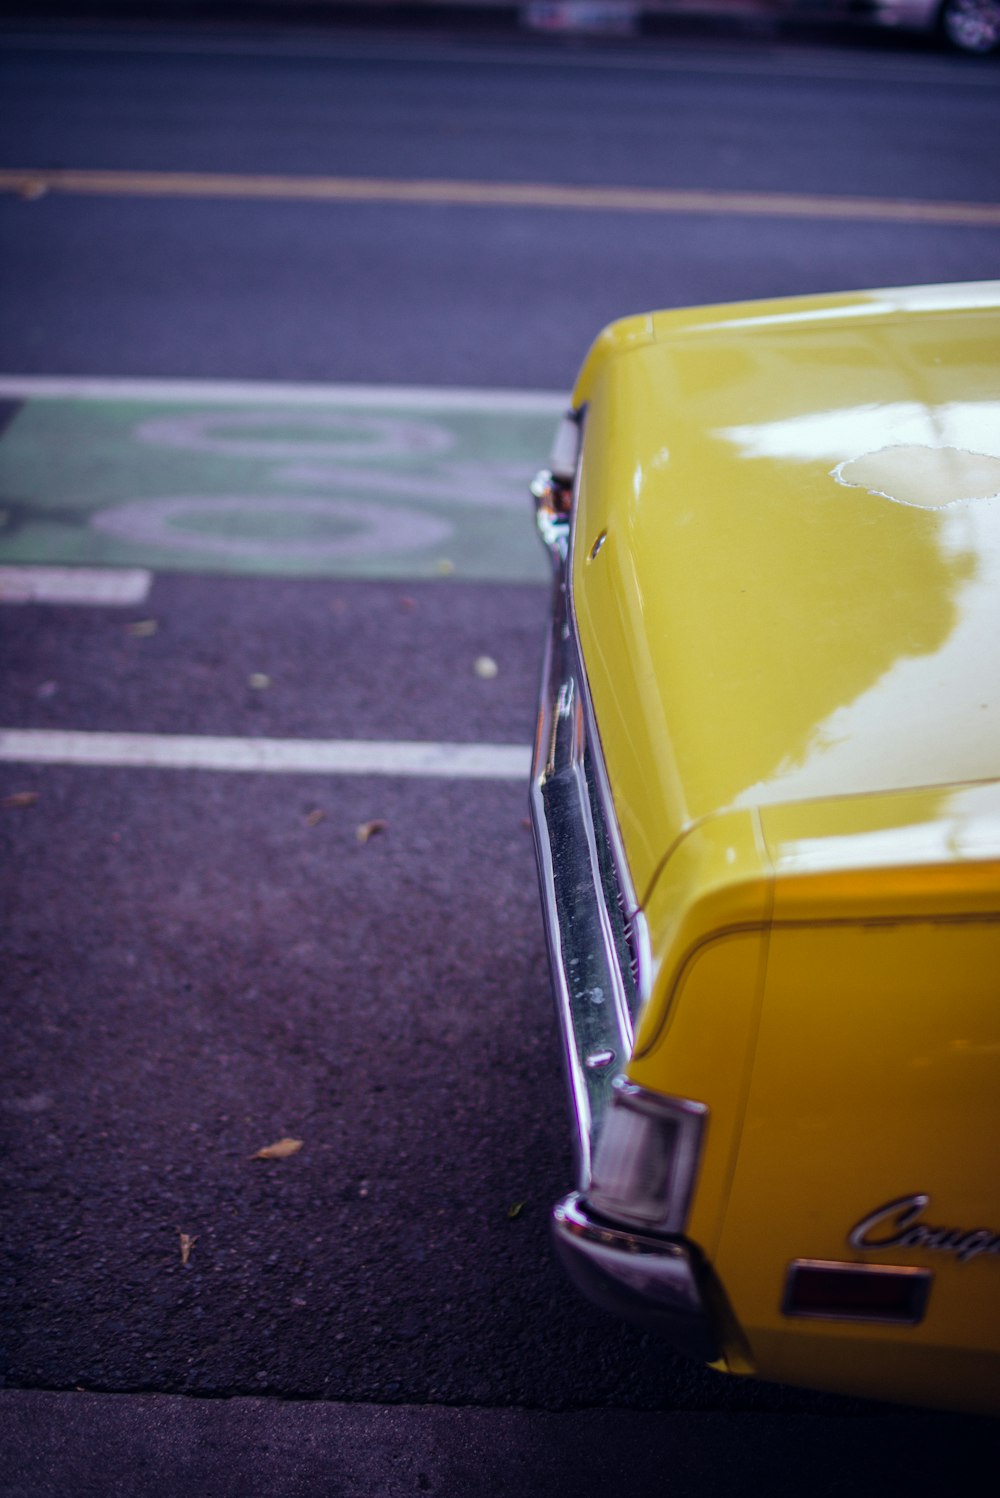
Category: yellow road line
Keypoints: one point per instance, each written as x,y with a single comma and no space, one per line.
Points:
31,184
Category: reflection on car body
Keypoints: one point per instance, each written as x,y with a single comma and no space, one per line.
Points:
766,801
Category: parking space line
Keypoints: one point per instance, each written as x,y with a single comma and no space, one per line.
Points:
38,746
449,193
264,392
118,587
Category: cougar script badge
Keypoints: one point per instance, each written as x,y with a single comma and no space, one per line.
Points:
898,1225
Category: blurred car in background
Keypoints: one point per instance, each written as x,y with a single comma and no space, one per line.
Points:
766,803
971,26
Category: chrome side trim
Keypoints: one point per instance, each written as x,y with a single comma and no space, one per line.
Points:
634,919
586,970
632,911
554,495
658,1283
587,897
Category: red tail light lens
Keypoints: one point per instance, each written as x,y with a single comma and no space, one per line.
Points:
856,1292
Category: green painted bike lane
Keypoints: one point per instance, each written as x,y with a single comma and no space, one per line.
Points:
335,482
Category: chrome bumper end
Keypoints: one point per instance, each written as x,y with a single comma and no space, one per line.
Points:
657,1283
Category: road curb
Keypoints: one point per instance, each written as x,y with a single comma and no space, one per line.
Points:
145,1446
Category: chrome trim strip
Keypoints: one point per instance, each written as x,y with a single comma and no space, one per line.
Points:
600,771
658,1283
554,499
634,917
588,984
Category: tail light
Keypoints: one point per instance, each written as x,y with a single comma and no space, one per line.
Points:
856,1292
646,1159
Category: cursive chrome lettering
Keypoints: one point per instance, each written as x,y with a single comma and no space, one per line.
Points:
897,1225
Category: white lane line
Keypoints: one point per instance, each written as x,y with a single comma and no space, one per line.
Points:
118,587
163,751
262,392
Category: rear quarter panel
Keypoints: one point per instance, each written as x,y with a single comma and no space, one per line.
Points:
875,1075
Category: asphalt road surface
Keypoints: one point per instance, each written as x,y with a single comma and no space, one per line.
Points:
459,293
201,962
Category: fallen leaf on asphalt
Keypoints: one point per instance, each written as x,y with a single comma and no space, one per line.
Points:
21,798
142,628
259,681
515,1210
314,817
486,667
187,1243
279,1151
368,830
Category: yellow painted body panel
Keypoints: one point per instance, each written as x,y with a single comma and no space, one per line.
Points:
706,917
875,1076
714,1021
758,626
791,630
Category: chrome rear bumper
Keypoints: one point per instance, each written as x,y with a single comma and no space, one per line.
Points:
598,961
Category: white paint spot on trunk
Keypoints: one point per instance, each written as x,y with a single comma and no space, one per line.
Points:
929,478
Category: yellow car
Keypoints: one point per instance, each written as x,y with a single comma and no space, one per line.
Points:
766,799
